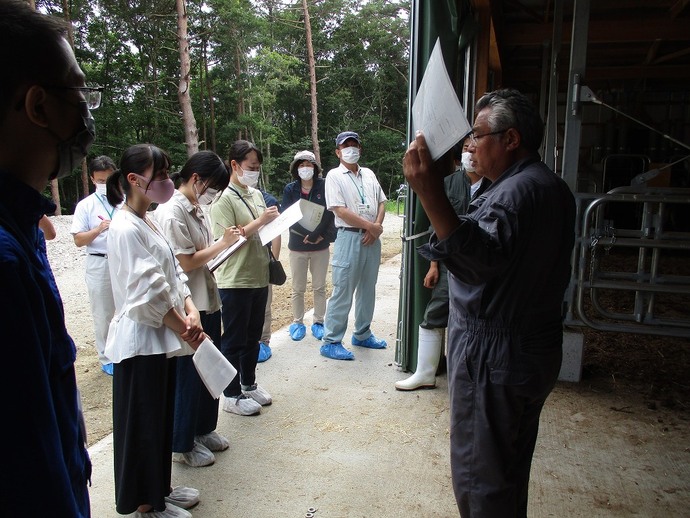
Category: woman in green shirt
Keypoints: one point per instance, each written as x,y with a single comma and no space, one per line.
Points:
243,282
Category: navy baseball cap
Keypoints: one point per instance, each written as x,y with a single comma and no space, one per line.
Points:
342,137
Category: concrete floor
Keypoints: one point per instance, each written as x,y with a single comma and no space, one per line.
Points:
340,439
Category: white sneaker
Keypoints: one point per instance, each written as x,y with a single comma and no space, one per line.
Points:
258,394
241,405
171,511
213,441
183,497
198,457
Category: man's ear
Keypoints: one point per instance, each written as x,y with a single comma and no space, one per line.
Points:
512,139
35,105
337,153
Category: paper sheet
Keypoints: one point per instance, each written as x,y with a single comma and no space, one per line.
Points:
214,369
436,109
287,218
311,214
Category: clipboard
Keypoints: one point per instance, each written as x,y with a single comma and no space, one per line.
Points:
214,263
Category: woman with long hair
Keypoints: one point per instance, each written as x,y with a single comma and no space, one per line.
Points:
155,320
243,282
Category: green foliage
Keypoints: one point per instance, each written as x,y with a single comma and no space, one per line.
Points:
249,63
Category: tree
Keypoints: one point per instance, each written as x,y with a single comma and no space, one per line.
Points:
190,130
246,69
312,83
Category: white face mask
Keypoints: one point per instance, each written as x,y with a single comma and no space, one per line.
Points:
101,189
249,178
207,196
305,173
350,155
467,162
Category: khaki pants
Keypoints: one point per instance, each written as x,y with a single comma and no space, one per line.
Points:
317,264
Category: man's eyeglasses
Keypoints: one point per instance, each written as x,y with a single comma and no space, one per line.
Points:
474,138
92,94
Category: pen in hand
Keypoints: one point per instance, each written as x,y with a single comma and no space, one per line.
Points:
238,227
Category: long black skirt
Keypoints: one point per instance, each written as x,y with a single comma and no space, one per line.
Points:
143,406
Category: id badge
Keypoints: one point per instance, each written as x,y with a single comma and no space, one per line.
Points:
362,209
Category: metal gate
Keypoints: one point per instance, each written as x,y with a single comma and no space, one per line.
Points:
634,280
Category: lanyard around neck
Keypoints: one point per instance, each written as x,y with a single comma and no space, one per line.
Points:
360,188
108,212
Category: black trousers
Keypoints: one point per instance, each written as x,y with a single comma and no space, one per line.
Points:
143,402
243,322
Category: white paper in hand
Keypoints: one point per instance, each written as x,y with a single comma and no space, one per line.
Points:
214,369
311,214
287,218
436,109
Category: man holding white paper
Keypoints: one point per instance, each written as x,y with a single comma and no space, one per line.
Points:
355,196
309,243
509,264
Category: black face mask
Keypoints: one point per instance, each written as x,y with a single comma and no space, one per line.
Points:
73,150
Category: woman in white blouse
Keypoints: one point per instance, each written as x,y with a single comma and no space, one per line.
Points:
155,320
188,231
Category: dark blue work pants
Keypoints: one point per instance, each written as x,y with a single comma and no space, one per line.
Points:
196,412
499,378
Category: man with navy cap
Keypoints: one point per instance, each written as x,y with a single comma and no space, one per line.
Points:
355,196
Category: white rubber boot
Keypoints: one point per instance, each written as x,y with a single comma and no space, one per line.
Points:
428,356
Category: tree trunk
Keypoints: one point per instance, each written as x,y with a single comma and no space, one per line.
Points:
84,178
191,134
240,89
312,82
203,125
55,194
211,104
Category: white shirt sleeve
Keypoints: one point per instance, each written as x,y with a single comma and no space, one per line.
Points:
149,296
334,191
80,220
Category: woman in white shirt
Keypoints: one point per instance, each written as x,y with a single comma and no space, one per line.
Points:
188,231
155,320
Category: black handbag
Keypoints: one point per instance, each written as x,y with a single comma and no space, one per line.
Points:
276,272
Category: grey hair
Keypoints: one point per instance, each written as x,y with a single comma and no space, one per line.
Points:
511,109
